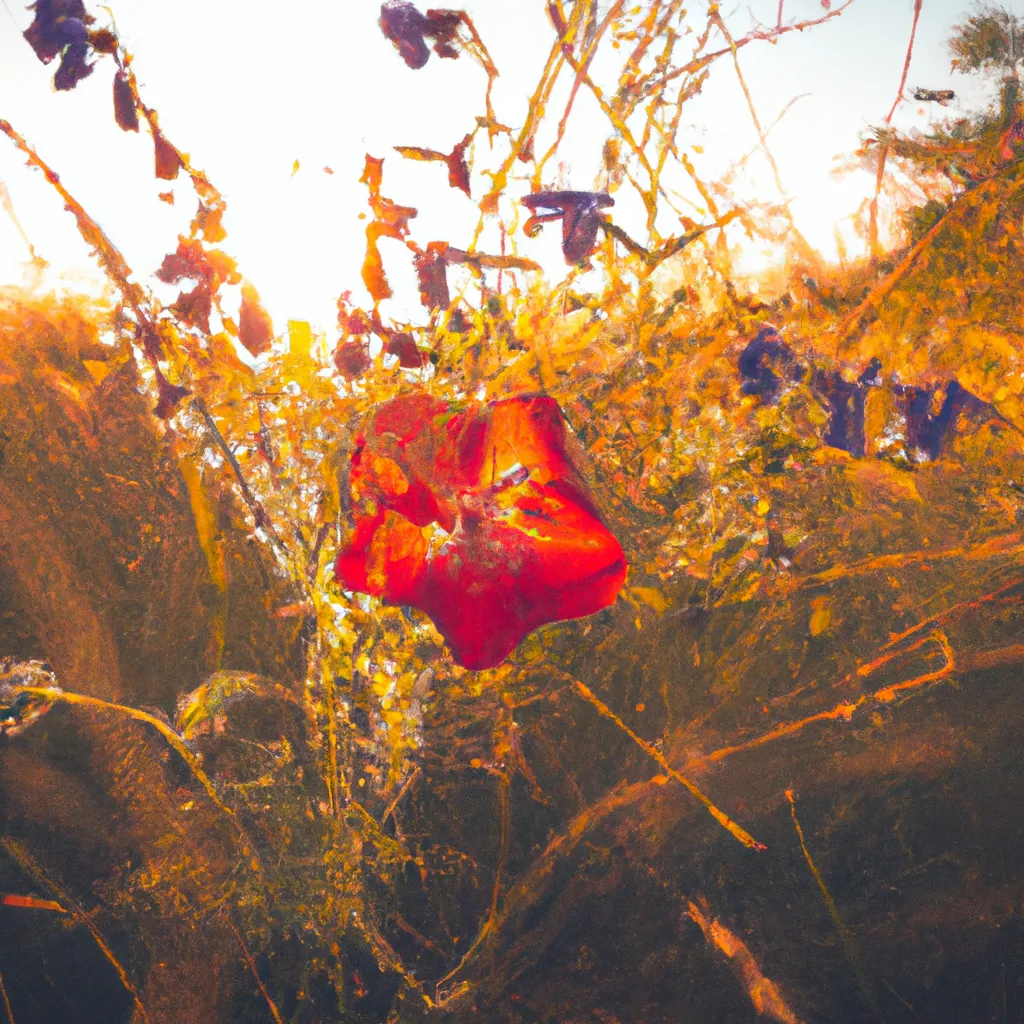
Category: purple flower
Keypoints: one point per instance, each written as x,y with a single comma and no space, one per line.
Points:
409,30
580,214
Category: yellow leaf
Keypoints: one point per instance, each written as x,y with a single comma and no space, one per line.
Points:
98,369
649,596
300,338
821,615
202,513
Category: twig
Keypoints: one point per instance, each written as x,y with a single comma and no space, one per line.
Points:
109,256
765,997
699,63
492,914
259,513
720,816
255,972
531,888
883,153
389,810
56,694
6,1000
592,44
479,260
808,249
27,864
5,202
535,110
844,711
672,246
1004,544
845,937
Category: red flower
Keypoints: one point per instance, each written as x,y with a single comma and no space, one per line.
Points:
477,516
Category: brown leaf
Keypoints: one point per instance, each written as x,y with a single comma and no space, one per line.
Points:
432,274
392,219
458,169
255,328
169,396
207,222
194,307
419,153
352,359
103,41
389,221
188,260
125,114
167,158
403,345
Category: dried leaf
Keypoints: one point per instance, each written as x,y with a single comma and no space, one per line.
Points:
410,356
458,169
580,214
169,396
56,24
432,274
352,359
255,328
166,157
409,30
125,113
389,221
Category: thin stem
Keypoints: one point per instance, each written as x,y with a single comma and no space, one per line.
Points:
255,973
720,816
398,798
56,695
6,1001
613,12
802,242
849,943
259,513
883,153
27,864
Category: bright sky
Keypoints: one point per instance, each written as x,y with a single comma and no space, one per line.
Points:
247,94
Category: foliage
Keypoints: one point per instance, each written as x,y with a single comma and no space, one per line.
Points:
988,39
744,787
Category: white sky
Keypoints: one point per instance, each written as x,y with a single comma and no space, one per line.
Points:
246,89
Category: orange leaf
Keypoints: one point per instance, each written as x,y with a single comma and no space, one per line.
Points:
168,160
31,903
255,328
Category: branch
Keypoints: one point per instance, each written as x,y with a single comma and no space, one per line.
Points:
883,153
854,323
254,970
849,943
516,916
720,816
652,257
57,695
699,63
110,259
482,260
259,513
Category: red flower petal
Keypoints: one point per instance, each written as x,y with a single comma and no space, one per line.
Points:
525,544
